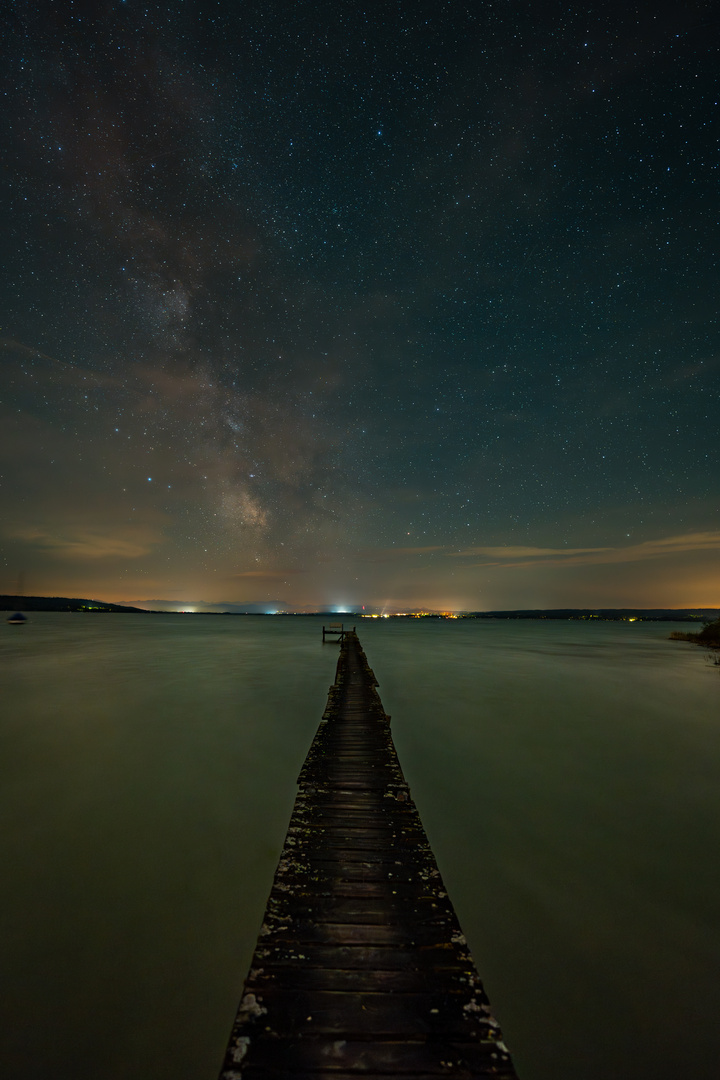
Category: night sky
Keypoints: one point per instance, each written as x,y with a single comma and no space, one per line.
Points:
401,304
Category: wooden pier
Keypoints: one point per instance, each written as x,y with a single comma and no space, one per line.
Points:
361,968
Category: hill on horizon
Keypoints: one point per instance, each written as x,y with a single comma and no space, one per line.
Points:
61,603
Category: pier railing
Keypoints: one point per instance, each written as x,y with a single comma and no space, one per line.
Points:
335,632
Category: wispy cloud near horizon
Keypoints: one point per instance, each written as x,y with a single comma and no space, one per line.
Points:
537,556
520,551
89,544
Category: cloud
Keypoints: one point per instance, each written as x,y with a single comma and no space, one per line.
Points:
648,549
505,552
90,544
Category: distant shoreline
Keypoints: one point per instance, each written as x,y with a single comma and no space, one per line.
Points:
80,605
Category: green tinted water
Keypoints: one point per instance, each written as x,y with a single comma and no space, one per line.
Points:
568,775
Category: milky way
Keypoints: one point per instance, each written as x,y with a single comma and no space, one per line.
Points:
414,304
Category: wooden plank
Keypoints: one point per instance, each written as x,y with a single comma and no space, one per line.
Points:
357,980
442,959
378,1058
375,1014
363,908
341,1074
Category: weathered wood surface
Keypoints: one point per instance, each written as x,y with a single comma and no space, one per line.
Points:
361,968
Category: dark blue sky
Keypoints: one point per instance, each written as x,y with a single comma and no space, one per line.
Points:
412,304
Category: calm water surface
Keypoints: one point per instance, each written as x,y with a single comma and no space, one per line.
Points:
568,776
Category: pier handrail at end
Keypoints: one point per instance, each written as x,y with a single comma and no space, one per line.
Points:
336,631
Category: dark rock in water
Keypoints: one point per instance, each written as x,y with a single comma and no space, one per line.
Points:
17,619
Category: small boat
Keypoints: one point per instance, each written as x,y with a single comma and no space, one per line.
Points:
17,619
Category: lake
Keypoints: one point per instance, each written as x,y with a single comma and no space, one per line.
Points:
567,774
